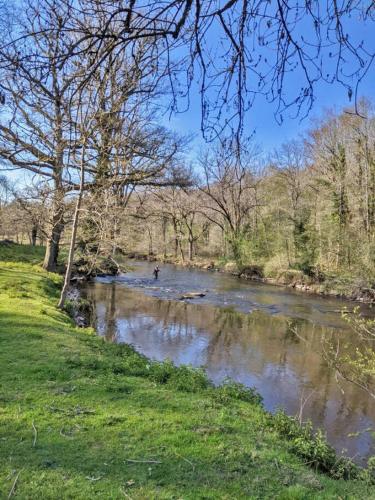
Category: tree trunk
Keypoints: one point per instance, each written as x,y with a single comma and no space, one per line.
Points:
69,266
164,232
191,249
182,251
176,241
53,242
150,243
34,234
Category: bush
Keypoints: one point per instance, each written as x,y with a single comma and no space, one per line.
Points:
311,271
161,372
230,390
183,378
290,276
189,379
273,266
253,271
313,447
69,307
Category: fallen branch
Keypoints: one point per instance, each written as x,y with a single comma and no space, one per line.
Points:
186,460
35,434
125,494
14,485
143,461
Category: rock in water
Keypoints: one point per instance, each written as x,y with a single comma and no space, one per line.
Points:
192,295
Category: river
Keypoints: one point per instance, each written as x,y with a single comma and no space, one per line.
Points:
264,336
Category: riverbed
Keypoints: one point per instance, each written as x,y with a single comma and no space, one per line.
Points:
264,336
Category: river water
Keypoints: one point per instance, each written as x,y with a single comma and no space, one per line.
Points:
264,336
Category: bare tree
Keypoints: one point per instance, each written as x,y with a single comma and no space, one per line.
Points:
229,182
35,126
258,49
289,164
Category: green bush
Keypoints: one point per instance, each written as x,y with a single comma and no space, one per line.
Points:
161,372
313,447
311,271
230,390
189,379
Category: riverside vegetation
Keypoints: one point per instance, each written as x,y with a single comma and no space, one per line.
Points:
82,418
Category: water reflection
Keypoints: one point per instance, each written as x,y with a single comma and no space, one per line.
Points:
280,356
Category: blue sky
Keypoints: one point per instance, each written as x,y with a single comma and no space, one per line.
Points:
260,118
268,133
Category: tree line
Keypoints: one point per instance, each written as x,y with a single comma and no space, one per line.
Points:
308,205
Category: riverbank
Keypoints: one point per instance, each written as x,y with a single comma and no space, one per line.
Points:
81,418
339,286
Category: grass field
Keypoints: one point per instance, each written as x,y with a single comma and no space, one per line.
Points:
82,419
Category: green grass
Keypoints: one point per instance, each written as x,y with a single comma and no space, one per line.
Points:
21,253
82,419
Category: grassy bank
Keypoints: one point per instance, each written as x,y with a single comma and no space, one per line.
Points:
80,418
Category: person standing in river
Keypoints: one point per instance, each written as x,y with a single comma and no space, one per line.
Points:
156,272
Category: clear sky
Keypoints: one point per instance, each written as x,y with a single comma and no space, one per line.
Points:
260,118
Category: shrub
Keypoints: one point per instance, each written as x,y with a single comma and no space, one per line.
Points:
189,379
230,390
273,266
311,271
313,447
252,271
161,372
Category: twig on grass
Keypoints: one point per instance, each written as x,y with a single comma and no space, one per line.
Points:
186,460
35,434
143,461
14,486
125,494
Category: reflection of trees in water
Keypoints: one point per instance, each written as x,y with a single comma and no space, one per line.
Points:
261,338
283,352
110,313
174,319
291,330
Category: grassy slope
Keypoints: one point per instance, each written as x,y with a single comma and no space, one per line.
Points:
74,412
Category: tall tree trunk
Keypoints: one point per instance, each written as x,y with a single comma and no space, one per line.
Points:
164,232
34,234
53,242
68,271
191,249
150,242
176,241
181,251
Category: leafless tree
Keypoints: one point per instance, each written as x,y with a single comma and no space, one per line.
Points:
35,121
229,184
233,50
38,132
